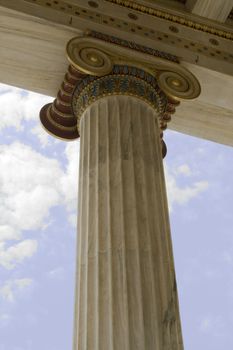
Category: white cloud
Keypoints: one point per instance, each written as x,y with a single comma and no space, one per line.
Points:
184,169
42,135
182,194
73,219
8,233
30,185
11,288
17,106
16,253
6,88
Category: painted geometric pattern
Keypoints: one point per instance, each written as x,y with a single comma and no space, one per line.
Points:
123,80
132,45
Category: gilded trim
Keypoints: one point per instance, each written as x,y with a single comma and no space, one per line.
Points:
132,5
123,80
176,81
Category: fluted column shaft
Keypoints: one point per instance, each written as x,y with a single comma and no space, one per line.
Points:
126,296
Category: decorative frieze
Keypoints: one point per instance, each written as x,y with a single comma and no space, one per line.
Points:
187,22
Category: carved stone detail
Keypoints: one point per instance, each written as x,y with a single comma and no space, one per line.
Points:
190,23
96,57
104,65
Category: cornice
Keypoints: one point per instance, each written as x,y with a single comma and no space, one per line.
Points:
190,23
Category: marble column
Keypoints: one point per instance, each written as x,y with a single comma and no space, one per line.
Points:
118,97
126,289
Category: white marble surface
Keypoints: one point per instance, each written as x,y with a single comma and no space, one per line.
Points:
126,291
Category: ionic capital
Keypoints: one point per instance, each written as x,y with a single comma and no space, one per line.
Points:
102,65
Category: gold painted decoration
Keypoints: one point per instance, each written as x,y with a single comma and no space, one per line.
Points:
88,59
179,86
97,57
181,20
102,66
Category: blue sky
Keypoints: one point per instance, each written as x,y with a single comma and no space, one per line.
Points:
38,195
